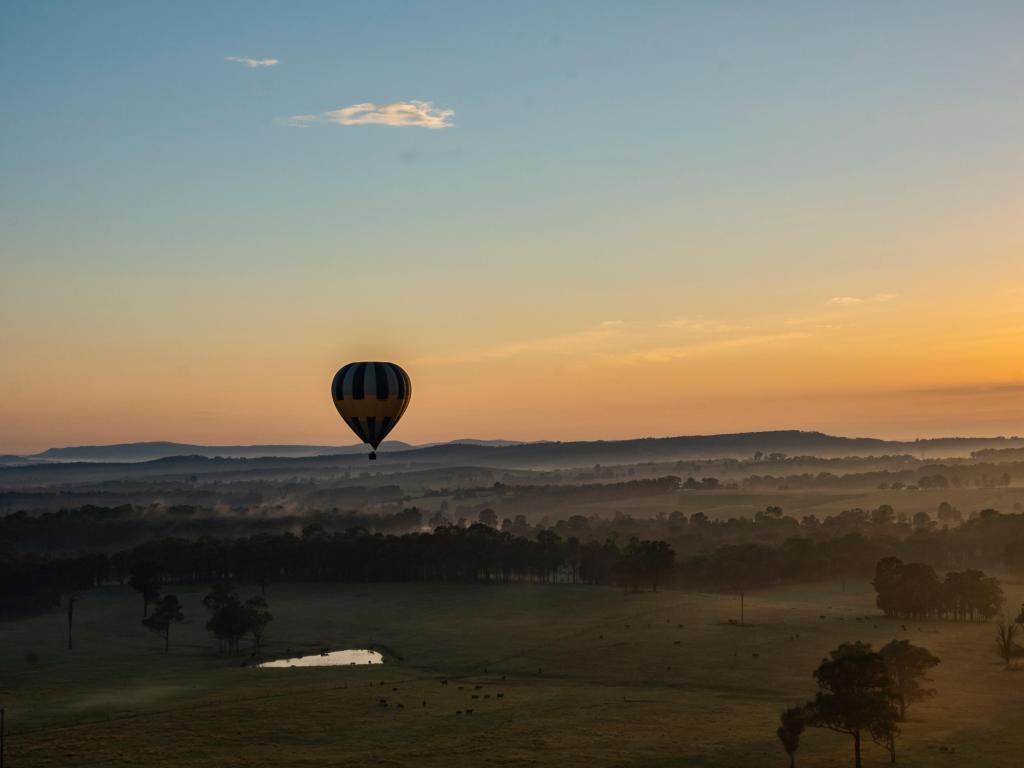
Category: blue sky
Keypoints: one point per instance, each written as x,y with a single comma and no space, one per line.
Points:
631,163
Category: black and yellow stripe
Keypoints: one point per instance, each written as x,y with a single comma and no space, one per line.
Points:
371,397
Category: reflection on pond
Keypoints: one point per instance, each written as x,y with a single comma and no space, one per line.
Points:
329,659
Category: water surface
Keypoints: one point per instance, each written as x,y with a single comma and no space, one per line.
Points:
350,657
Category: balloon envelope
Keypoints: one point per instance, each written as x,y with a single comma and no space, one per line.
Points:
371,397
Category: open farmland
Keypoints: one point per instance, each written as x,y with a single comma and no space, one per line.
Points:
586,676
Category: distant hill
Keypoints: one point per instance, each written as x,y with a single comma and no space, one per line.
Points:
129,452
9,460
471,441
509,453
737,445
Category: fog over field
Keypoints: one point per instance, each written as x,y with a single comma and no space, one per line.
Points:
509,591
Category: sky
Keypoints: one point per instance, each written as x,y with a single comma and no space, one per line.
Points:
565,220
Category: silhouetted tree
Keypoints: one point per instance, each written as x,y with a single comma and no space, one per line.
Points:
855,696
72,598
1006,642
231,620
913,590
145,579
646,562
908,665
227,619
166,612
258,618
948,514
654,560
883,515
743,566
791,726
221,594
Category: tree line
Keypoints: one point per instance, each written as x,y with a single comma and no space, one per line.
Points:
694,552
942,538
481,553
914,591
475,554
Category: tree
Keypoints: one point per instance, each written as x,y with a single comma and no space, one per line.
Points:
913,590
145,579
488,517
949,514
1006,641
883,731
258,618
657,558
231,620
550,552
922,521
883,515
742,567
221,594
647,562
72,599
791,726
227,619
888,575
855,696
167,611
907,665
969,593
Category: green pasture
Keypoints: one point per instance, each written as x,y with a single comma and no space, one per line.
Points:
588,676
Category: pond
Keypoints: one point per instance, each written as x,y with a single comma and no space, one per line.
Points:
351,657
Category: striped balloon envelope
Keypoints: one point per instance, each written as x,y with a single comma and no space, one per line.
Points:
371,397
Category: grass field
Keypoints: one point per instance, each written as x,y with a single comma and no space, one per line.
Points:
589,677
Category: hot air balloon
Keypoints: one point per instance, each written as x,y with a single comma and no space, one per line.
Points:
371,397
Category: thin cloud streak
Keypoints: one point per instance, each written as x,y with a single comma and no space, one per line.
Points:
856,301
599,342
565,343
669,354
298,121
983,389
699,325
252,63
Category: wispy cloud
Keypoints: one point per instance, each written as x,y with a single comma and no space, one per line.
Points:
618,343
421,114
677,352
401,114
977,390
701,325
856,301
585,340
298,121
252,63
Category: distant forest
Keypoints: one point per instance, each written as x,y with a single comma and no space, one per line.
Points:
38,566
232,485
